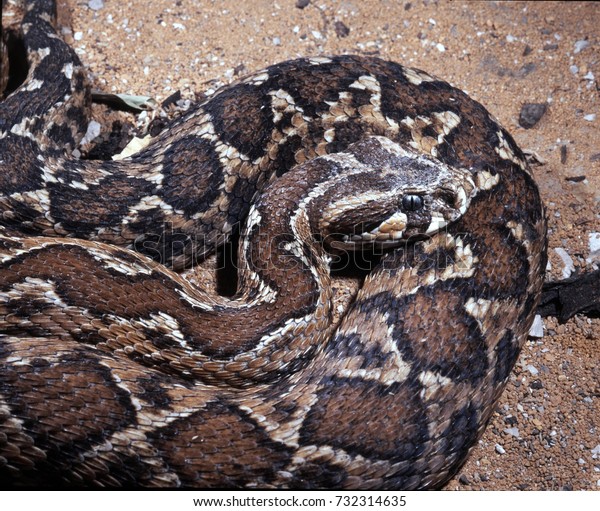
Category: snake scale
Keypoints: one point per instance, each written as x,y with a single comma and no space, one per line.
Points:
117,371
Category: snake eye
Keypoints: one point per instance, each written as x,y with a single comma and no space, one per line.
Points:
412,202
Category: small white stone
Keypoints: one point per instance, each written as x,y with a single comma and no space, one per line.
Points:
574,69
580,45
569,266
590,117
596,451
277,41
440,47
93,130
510,38
537,327
532,370
589,76
316,34
178,26
432,21
96,5
594,244
500,449
78,36
513,432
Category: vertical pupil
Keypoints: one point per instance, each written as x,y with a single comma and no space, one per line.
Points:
412,202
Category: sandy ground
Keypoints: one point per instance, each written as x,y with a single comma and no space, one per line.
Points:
546,432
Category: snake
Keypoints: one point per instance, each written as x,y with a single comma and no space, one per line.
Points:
116,370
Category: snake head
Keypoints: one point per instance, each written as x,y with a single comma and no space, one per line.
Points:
391,194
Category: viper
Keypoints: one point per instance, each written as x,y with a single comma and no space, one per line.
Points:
116,370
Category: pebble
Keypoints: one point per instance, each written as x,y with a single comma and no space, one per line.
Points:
581,45
93,130
341,29
536,385
574,69
500,449
96,5
440,47
590,117
596,452
301,4
537,327
532,370
531,113
594,245
78,36
513,432
569,266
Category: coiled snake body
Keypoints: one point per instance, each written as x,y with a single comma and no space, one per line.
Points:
116,371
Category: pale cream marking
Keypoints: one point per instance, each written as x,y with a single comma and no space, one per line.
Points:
34,84
317,61
462,267
282,102
485,180
506,153
68,70
39,200
35,287
287,431
372,471
110,261
416,77
43,53
193,301
438,222
135,145
165,324
380,333
432,382
448,121
22,129
479,308
517,230
78,185
251,279
293,329
257,79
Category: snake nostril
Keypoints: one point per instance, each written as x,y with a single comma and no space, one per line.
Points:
412,202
